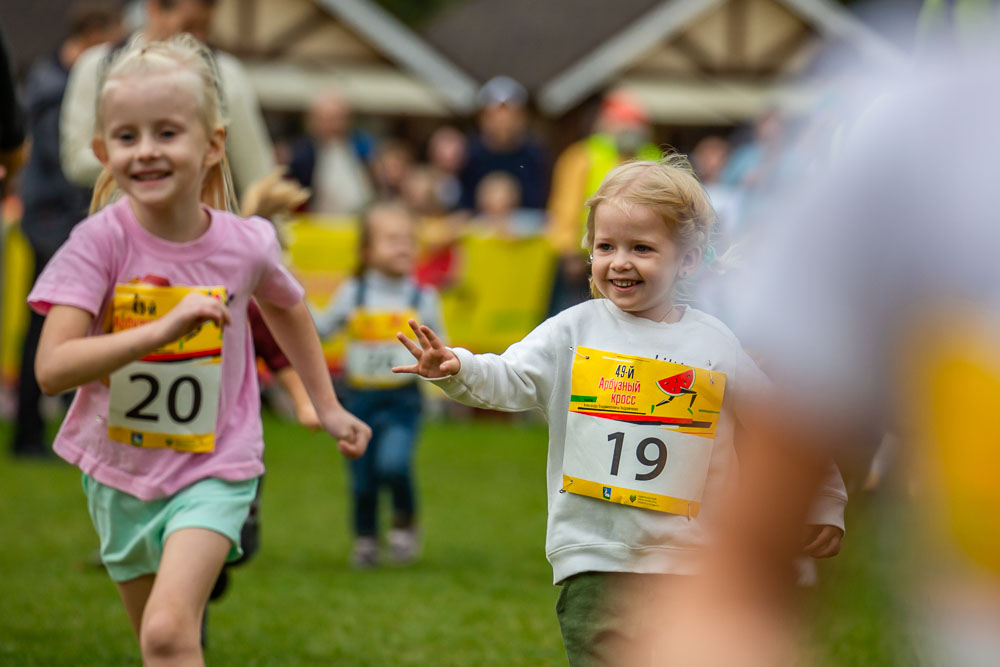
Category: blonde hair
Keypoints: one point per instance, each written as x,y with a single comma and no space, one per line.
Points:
668,188
181,52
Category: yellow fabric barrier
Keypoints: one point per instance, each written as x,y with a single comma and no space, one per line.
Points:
18,264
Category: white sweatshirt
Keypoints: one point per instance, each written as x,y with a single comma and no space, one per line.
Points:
588,534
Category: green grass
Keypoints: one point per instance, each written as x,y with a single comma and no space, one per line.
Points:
482,594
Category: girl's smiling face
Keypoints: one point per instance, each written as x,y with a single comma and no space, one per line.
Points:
153,141
636,262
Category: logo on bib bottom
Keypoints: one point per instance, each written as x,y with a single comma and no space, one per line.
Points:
607,493
137,439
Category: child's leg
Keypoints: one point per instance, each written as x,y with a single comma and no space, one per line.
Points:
171,622
134,593
394,467
394,458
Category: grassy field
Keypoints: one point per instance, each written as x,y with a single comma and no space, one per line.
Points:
482,594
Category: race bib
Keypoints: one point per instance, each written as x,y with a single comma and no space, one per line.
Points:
373,350
169,398
640,431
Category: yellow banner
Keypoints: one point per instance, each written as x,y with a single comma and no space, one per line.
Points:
648,392
183,442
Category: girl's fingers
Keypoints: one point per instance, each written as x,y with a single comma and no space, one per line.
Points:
432,337
406,369
409,344
421,336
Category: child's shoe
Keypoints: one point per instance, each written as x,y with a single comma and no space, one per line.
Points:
404,545
364,556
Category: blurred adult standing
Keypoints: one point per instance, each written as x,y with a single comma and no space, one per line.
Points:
247,142
52,205
332,159
503,143
622,132
11,117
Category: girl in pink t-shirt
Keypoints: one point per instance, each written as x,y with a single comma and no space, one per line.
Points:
146,314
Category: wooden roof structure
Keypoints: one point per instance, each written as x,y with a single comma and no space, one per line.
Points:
293,49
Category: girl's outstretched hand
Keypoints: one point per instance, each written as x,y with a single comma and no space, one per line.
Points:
351,433
193,310
434,360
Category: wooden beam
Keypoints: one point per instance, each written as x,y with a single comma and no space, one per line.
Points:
736,33
698,56
309,23
246,19
771,62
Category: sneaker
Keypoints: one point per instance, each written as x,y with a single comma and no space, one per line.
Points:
404,545
364,556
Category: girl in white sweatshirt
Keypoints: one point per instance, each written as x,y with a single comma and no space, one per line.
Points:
642,397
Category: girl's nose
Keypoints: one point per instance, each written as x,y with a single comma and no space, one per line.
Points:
621,260
148,148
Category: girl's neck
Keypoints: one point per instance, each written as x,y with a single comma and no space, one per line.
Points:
180,223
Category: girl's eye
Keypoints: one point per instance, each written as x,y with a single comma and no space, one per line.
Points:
603,246
125,137
168,134
642,248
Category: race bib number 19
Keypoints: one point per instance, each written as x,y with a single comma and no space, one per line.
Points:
640,431
169,398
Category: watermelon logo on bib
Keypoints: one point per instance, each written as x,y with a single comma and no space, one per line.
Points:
677,385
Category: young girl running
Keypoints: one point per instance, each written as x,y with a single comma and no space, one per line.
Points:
372,306
146,312
642,397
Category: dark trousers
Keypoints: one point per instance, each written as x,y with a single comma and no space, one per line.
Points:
394,417
29,431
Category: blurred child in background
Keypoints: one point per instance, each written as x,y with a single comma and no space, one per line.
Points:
371,307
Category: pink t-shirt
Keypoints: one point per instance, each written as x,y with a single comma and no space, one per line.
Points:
111,247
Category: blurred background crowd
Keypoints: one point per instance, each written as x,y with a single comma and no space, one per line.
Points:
489,119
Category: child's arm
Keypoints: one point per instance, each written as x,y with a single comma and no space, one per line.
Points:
293,329
67,357
522,378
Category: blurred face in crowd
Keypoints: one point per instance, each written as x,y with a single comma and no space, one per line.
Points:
498,195
329,118
446,150
172,17
503,125
709,157
392,246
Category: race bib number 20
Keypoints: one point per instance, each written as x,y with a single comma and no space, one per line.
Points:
640,431
169,398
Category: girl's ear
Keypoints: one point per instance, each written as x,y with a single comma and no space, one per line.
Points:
216,147
690,261
100,150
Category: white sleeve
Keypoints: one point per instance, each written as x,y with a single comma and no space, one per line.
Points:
522,378
76,119
251,155
333,318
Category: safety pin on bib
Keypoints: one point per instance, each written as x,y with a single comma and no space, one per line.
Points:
573,350
711,378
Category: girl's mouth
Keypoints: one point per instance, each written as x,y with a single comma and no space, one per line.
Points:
151,175
624,284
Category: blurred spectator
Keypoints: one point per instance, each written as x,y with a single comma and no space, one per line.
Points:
503,143
332,159
391,166
52,205
247,142
438,230
446,153
709,158
622,132
498,208
11,118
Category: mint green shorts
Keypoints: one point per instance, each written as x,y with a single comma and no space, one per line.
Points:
133,531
